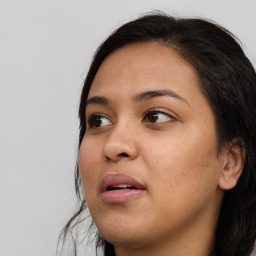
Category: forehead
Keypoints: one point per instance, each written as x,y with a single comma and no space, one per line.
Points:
141,67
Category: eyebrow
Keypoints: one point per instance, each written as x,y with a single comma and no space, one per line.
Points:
97,100
101,100
157,93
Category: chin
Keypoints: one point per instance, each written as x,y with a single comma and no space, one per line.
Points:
123,233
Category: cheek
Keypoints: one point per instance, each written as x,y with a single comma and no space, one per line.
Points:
89,157
183,166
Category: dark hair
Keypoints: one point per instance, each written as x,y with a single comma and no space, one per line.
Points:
228,81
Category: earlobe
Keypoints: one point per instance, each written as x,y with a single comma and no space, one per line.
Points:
233,166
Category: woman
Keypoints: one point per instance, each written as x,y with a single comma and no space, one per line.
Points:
167,141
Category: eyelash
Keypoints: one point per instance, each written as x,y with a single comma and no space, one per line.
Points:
156,111
93,118
90,124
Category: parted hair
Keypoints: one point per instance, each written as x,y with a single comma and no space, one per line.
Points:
228,81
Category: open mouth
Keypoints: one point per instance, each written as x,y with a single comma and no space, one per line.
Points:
120,187
119,182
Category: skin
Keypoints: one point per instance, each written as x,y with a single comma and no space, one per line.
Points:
173,155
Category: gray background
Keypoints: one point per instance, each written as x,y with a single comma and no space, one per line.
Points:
45,50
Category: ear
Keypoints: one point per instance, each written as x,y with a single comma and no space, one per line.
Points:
234,157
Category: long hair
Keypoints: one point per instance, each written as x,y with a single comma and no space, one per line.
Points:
228,81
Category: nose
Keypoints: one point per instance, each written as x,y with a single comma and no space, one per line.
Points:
120,144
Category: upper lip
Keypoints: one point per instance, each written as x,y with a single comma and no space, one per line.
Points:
119,179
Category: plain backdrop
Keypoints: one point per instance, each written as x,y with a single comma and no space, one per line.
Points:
45,50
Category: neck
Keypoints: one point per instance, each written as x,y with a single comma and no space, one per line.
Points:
167,248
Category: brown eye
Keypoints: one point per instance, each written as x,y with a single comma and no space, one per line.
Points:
152,117
96,121
157,117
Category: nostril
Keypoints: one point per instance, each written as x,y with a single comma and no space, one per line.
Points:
119,156
123,155
106,158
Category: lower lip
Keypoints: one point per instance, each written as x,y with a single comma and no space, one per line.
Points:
120,196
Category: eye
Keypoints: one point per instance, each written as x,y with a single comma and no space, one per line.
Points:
156,116
98,120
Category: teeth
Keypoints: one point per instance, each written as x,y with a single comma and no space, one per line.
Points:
123,186
120,187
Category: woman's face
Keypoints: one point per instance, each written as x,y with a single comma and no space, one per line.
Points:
148,160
